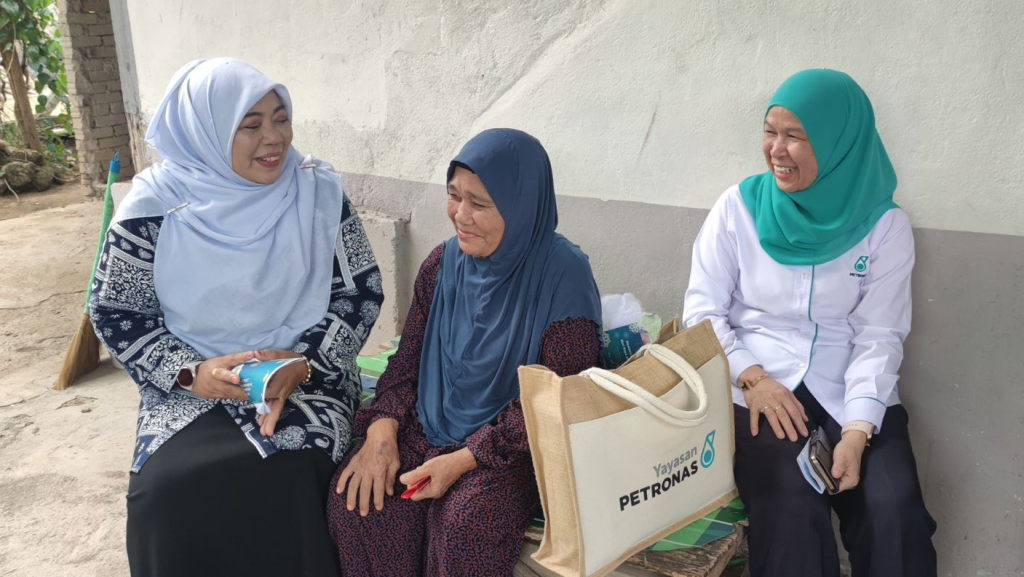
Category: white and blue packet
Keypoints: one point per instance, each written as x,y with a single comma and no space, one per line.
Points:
804,461
254,376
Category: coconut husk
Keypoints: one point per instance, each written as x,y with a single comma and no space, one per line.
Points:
44,178
19,174
25,154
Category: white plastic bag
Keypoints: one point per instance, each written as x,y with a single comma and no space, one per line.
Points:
621,317
620,310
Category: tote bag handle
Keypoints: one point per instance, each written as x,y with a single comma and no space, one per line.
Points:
634,394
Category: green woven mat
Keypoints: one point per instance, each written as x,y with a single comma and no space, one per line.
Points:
716,525
720,523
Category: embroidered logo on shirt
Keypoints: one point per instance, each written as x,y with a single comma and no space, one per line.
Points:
861,266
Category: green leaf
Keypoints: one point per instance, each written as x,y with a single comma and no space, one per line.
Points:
40,108
41,99
10,7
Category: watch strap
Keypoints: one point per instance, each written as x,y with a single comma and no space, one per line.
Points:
862,426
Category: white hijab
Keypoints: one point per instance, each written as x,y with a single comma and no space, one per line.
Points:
239,266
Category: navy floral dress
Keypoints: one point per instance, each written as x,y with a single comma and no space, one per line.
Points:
128,319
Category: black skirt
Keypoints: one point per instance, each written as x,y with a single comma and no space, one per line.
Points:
206,503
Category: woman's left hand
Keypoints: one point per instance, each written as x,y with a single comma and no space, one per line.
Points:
443,472
847,458
281,387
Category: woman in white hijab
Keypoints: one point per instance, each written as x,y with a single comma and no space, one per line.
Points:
234,248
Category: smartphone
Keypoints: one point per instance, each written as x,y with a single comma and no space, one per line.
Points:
820,455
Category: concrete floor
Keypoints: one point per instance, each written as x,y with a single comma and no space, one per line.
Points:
64,456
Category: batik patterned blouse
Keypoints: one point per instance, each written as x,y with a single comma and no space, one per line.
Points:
128,320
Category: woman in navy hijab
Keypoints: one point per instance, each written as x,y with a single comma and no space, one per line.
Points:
505,291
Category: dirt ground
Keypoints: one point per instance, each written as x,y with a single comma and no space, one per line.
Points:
57,196
64,456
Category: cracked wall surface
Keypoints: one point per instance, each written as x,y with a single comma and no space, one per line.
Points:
657,102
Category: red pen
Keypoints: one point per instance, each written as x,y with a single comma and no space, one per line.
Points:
416,487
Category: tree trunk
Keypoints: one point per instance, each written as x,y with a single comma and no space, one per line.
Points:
23,108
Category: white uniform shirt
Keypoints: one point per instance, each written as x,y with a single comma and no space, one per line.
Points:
838,327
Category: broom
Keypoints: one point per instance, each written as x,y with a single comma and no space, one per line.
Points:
84,353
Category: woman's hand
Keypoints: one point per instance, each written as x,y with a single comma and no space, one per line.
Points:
280,387
371,472
846,459
214,379
443,472
778,404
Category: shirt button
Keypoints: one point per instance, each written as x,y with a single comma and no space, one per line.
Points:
803,365
803,276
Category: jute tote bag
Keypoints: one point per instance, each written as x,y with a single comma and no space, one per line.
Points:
626,457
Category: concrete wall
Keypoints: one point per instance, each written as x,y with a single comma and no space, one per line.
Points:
649,111
651,101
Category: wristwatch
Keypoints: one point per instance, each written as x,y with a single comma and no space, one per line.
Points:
863,426
187,375
750,383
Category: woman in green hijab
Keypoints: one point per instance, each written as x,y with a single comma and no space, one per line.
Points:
804,270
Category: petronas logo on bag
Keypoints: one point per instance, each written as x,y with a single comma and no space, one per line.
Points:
707,454
862,264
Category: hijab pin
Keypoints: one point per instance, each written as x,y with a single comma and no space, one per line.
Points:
177,208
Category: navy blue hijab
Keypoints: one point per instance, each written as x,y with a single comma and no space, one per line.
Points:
489,314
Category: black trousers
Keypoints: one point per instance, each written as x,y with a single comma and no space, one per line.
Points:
206,503
883,522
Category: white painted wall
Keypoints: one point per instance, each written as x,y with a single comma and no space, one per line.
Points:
660,102
655,101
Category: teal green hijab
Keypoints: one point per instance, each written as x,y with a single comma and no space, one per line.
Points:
855,178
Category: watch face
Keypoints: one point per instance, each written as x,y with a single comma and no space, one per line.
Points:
186,376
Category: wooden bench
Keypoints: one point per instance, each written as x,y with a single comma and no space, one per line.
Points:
707,561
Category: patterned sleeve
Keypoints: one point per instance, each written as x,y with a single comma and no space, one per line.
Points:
569,347
125,311
396,389
356,295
